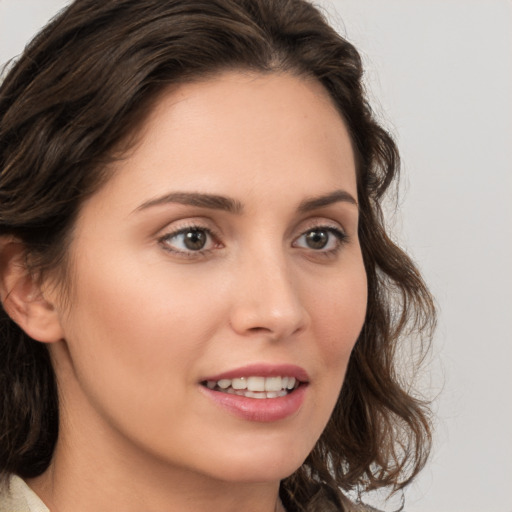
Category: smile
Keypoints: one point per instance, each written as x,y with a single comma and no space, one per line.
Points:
254,386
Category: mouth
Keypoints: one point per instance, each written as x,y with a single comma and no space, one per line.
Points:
259,392
255,386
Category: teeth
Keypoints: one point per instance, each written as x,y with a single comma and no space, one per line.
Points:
240,383
256,383
224,383
273,384
252,394
254,386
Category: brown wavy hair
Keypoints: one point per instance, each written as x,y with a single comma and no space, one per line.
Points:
69,105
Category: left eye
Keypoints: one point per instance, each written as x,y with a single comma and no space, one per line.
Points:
188,240
321,239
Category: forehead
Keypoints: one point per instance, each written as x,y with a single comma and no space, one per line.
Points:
244,131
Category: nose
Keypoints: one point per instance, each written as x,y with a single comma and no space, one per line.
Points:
267,299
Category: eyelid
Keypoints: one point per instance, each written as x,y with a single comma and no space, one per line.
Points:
185,223
321,222
336,231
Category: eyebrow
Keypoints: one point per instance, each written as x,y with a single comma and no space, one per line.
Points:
326,200
212,201
227,204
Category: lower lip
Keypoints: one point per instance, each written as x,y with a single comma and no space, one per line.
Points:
259,409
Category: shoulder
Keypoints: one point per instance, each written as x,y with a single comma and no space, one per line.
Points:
16,496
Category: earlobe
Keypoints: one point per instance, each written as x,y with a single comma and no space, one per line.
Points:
21,295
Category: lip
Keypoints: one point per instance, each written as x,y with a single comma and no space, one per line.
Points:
263,370
260,410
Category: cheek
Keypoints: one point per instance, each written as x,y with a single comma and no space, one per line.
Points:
133,346
337,322
341,313
133,332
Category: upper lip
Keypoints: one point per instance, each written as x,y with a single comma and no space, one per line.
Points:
262,370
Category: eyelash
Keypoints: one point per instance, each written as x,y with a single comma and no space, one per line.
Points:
340,236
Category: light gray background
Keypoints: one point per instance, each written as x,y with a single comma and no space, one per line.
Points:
440,75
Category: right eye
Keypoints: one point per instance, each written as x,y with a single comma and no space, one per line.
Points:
322,238
189,240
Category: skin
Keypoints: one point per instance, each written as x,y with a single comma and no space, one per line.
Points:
150,318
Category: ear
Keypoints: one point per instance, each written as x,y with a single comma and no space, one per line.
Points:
22,297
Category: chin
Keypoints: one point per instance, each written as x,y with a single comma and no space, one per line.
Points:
262,466
255,474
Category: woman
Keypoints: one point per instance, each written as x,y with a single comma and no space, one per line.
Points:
201,307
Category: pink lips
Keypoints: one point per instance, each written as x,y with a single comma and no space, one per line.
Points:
255,409
264,370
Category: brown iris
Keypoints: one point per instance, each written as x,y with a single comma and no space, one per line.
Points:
317,239
195,239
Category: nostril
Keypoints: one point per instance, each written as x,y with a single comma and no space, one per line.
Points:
259,329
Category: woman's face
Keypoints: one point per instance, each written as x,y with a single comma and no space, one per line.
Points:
218,286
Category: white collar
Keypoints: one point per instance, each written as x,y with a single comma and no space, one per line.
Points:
19,497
